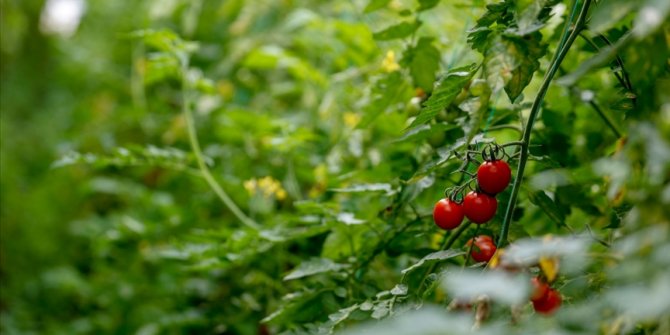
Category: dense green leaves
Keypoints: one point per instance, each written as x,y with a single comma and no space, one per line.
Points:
374,5
427,4
338,142
431,258
512,61
423,61
312,267
387,91
400,30
445,91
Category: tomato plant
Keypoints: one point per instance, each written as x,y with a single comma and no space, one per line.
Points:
279,167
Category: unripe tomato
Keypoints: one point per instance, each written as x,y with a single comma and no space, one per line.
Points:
437,139
539,288
447,214
549,303
494,176
483,248
479,207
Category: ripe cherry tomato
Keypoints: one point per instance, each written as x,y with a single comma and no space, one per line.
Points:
479,207
483,248
493,176
549,303
448,214
539,288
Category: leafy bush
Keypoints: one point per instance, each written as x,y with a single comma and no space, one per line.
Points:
267,167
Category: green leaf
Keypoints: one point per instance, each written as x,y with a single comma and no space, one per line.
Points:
445,154
381,309
532,17
378,187
427,4
444,93
272,56
496,12
479,36
415,187
423,61
400,30
166,41
374,5
603,57
336,318
400,289
386,92
478,110
314,266
300,305
348,239
433,258
512,61
424,131
609,13
132,156
542,200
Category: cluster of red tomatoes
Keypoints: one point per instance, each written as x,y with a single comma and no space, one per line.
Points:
479,206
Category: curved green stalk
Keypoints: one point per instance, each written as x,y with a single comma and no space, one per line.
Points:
204,170
537,103
608,121
623,81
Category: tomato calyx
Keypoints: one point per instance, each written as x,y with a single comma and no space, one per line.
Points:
493,152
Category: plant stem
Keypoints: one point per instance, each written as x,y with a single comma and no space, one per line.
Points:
621,79
206,173
619,62
606,119
537,103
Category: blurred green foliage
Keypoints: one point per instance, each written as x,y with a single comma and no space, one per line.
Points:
332,125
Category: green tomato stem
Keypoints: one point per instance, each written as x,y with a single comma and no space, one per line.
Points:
537,103
204,170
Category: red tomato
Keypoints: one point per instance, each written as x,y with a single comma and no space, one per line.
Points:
447,214
479,207
539,289
493,176
483,249
549,303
